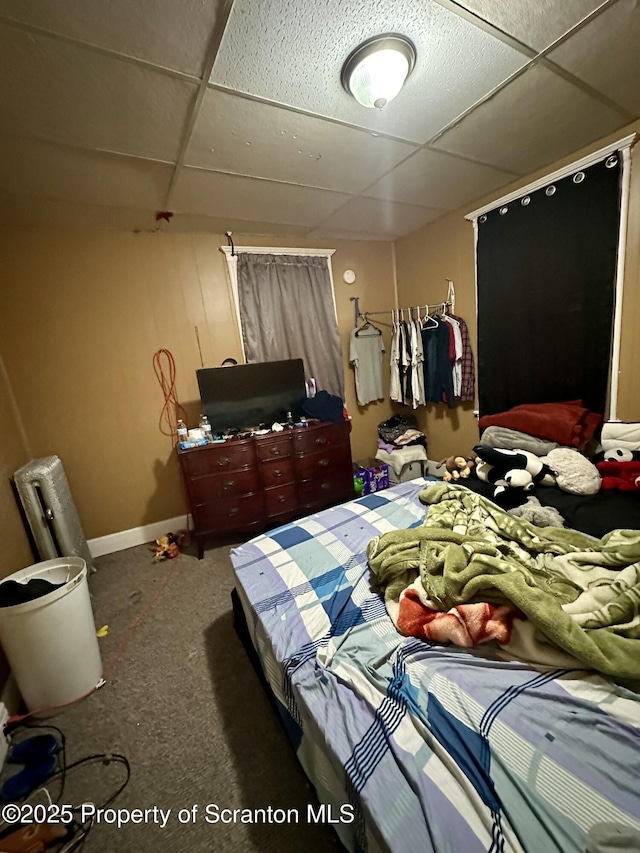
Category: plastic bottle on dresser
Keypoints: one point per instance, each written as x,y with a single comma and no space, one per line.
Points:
181,431
205,426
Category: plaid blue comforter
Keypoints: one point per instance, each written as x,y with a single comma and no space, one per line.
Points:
415,746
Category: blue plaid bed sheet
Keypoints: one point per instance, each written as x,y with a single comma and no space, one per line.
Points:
433,748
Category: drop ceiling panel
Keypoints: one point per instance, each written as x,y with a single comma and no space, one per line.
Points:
605,54
534,121
62,214
238,135
189,223
43,170
374,216
536,24
170,34
438,180
219,195
70,94
348,234
292,51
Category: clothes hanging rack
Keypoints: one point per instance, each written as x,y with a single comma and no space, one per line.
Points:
448,306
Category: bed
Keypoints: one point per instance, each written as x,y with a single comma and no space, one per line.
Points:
415,745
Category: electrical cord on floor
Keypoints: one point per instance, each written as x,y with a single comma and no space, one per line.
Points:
78,832
165,370
62,751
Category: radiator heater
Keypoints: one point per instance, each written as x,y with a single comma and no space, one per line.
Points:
50,511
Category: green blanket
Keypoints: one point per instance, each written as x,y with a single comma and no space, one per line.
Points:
582,593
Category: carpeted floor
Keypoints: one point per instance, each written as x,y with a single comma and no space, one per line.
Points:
186,708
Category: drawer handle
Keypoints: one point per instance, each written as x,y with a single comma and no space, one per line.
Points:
233,511
275,451
326,486
282,498
321,440
323,462
277,473
224,460
229,485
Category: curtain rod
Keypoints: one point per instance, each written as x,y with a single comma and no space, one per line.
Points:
269,250
564,172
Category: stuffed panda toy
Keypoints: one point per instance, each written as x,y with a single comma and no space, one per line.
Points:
514,473
618,454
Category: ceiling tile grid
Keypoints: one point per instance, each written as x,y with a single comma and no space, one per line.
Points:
605,54
284,51
217,194
448,182
166,33
68,93
38,169
535,120
231,112
536,24
260,140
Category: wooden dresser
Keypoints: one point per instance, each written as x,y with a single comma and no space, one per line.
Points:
247,485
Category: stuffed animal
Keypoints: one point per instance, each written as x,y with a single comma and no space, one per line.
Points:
617,454
167,547
511,470
574,472
541,516
624,476
457,467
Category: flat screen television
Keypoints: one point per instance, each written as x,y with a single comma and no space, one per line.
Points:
250,395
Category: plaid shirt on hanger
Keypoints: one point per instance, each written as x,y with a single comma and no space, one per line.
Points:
468,387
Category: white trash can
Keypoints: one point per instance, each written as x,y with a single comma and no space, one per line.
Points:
50,641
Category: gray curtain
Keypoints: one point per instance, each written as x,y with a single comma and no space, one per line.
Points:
286,311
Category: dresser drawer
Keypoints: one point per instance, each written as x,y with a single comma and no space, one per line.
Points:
315,438
281,500
211,487
274,447
321,492
214,458
277,473
243,513
322,463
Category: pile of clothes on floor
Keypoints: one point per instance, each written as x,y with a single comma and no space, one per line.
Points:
401,443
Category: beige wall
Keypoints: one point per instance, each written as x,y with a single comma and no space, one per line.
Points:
85,311
15,552
445,249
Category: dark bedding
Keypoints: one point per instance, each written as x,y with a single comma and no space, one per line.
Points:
591,514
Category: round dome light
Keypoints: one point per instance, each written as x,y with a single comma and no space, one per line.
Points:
376,70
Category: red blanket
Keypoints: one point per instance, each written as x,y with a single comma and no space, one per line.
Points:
620,475
464,625
570,424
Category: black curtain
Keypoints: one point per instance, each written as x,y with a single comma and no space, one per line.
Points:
546,266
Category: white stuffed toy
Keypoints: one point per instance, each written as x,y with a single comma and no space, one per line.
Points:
576,474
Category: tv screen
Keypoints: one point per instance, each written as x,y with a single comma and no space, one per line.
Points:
248,395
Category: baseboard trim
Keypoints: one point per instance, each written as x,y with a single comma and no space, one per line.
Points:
113,542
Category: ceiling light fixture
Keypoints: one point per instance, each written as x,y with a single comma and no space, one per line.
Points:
376,70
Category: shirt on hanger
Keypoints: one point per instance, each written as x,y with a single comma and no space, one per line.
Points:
365,353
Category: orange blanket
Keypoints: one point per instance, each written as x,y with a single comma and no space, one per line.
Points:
464,625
